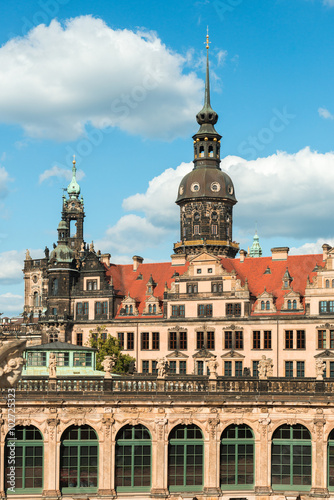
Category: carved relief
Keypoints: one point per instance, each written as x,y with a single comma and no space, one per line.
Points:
211,427
160,427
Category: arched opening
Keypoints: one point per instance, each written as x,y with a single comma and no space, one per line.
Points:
78,459
185,458
267,305
154,309
25,445
211,151
294,304
54,287
327,283
262,305
289,304
291,458
133,459
237,457
36,299
201,151
330,458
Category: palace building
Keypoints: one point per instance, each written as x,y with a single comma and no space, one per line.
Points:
244,408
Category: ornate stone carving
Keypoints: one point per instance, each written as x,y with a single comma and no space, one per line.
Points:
162,367
265,367
52,365
320,367
52,424
108,364
263,426
11,363
211,426
161,424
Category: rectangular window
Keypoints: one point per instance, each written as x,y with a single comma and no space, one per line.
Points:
331,306
82,359
104,307
331,339
256,340
255,368
172,367
211,340
239,341
237,309
233,309
85,308
178,311
229,309
79,338
181,311
155,341
289,369
196,229
174,311
145,366
238,368
300,339
228,340
154,368
36,359
300,369
288,339
98,308
79,308
322,339
172,341
228,368
204,310
214,229
63,358
331,369
267,339
120,337
199,367
200,340
183,341
323,306
183,367
130,341
145,341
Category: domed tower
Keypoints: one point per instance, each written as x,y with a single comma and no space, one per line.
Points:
73,213
206,195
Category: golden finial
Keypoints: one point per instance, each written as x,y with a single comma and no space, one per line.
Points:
207,37
74,162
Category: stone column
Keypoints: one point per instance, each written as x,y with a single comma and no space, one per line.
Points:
262,479
212,460
107,459
51,460
319,458
160,459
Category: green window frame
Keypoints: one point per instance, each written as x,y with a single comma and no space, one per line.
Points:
79,457
24,445
237,463
330,461
291,458
133,459
36,358
82,359
185,459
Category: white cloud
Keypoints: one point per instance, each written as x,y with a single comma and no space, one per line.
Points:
329,3
11,304
311,248
59,77
11,265
323,112
289,195
60,173
4,179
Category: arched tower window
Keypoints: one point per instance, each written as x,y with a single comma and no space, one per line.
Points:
133,459
291,458
294,304
237,457
327,283
78,459
28,447
262,305
267,305
154,309
36,299
54,287
211,151
201,151
185,458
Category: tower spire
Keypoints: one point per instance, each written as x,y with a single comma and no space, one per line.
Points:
73,188
207,78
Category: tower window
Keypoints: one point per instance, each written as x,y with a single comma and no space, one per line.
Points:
214,229
201,151
196,229
211,151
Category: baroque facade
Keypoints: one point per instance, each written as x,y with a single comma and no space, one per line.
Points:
245,408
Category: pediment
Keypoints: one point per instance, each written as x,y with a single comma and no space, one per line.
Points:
232,354
128,300
265,295
204,257
291,294
91,261
325,354
203,353
176,354
152,300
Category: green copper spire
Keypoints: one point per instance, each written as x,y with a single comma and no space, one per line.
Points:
256,250
73,188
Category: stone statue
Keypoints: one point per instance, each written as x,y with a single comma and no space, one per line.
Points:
82,248
108,364
162,367
270,367
132,367
28,256
11,363
91,247
319,369
213,365
262,367
52,365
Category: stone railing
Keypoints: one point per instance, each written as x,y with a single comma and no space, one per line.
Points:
194,384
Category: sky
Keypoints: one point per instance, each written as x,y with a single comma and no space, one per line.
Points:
118,85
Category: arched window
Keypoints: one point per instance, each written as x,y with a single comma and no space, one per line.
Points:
36,299
53,337
237,457
78,459
54,287
289,304
327,283
331,460
201,151
126,309
27,445
130,309
291,458
332,283
154,309
185,458
262,305
210,151
267,305
214,287
150,308
294,304
133,459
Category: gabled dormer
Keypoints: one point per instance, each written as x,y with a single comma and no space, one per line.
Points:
265,303
150,286
129,307
152,306
292,302
287,280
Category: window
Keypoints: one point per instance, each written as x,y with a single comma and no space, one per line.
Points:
79,338
183,341
199,368
300,369
228,368
326,307
36,359
200,340
130,341
120,337
289,304
28,445
255,368
145,366
185,459
322,344
216,287
267,339
101,308
54,311
53,337
145,341
331,369
233,340
63,358
155,341
192,287
172,341
82,309
82,359
233,309
172,367
237,458
36,299
228,340
263,305
331,460
289,369
177,341
79,459
239,340
267,305
154,367
199,271
301,339
327,283
294,304
256,340
54,287
196,229
183,367
291,458
288,339
178,311
91,285
238,368
214,229
210,340
204,310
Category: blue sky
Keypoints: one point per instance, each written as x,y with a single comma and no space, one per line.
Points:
118,84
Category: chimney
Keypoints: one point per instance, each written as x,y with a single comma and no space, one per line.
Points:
105,259
279,253
325,250
243,255
136,261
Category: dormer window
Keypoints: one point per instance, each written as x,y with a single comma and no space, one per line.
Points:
91,285
192,288
327,283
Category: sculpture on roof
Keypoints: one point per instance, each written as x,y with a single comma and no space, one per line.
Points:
212,365
162,367
52,365
265,368
108,364
319,369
